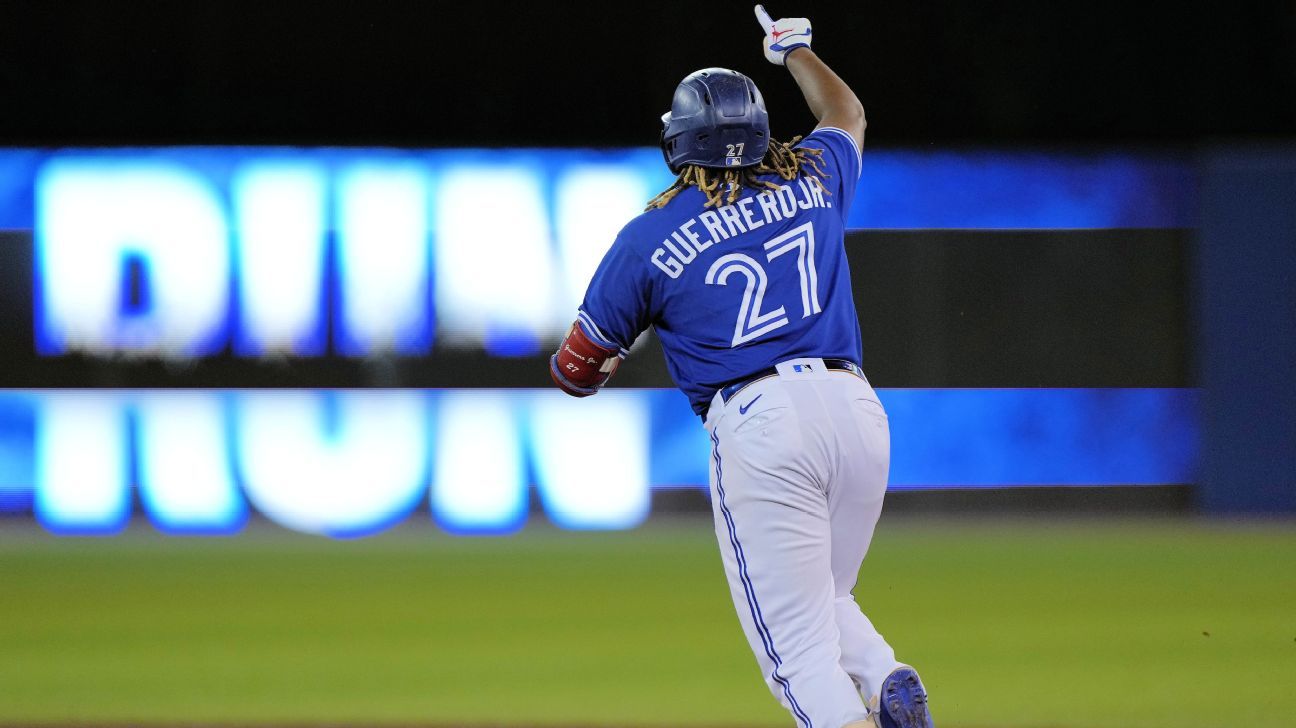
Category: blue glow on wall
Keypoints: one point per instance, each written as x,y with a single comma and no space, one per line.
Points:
977,188
17,451
1023,190
978,437
353,462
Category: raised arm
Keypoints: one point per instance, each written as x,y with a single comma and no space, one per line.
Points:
787,43
829,98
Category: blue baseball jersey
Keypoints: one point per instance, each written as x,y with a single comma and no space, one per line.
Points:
736,289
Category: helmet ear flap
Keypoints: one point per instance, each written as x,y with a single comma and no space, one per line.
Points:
666,149
668,144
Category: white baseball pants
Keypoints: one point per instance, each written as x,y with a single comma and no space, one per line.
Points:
799,467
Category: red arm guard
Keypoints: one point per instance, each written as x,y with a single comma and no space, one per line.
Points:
581,366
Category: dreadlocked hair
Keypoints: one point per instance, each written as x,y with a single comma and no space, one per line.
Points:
784,159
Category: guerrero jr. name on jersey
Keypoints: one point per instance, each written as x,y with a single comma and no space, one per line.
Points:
722,223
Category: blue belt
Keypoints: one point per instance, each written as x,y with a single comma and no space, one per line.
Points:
729,390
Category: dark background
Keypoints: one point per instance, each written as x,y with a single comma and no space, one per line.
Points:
563,74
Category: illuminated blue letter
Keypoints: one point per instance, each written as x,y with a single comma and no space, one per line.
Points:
494,272
184,469
383,259
279,210
101,224
81,462
477,482
337,463
595,476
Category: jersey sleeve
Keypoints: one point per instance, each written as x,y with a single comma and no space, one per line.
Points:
617,305
842,161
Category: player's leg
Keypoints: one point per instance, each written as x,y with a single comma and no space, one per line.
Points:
855,503
772,525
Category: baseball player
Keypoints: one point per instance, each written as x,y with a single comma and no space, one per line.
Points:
741,267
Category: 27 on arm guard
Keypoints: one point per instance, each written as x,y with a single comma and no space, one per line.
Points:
580,366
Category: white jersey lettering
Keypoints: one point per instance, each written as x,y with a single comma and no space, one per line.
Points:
726,221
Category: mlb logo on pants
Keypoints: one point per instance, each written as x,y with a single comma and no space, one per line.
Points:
798,368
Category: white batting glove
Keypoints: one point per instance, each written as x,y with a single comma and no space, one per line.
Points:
782,35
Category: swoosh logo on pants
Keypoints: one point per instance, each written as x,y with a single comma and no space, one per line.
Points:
742,408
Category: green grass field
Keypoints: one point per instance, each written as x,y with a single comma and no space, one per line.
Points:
1012,623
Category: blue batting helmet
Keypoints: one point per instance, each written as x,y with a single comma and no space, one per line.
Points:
717,119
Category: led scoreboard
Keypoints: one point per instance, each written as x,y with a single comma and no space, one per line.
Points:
183,253
189,251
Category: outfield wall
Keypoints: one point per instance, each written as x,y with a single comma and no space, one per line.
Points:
1026,316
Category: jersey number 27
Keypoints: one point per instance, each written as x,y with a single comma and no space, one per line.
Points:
752,323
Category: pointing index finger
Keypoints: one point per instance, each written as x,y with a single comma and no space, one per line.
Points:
762,17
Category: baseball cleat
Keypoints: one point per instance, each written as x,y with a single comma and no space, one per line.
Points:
903,702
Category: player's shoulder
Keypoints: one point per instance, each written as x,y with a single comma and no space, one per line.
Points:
839,143
650,226
829,136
